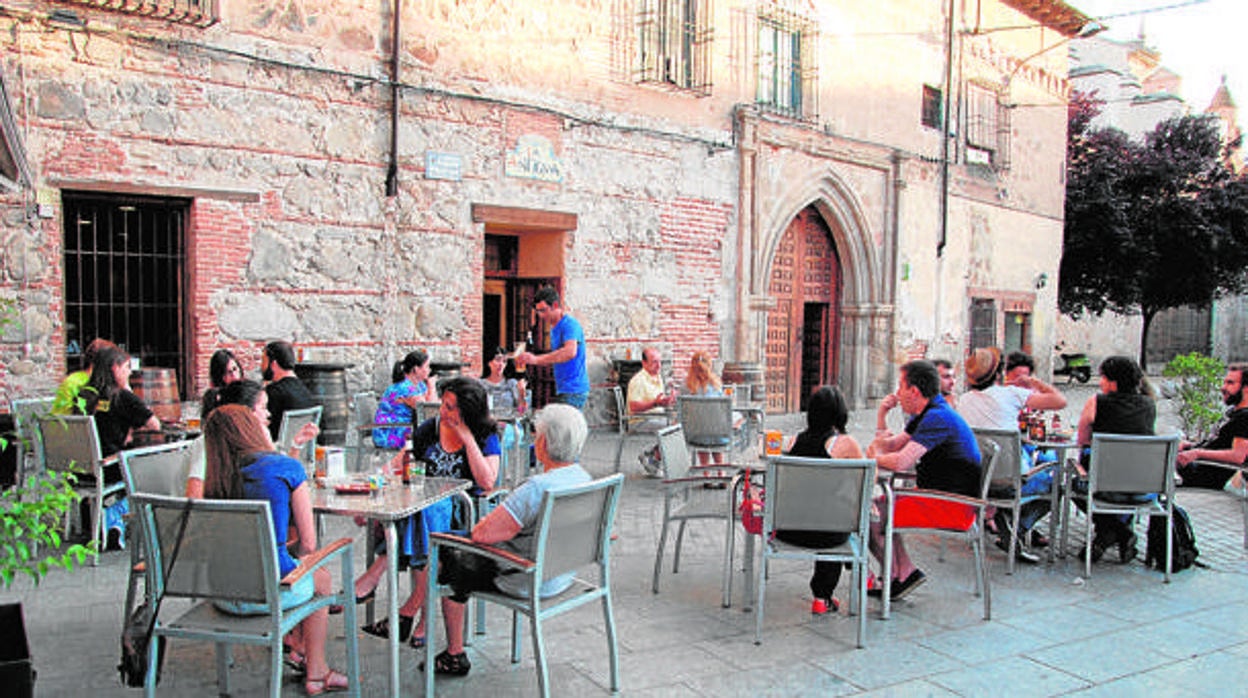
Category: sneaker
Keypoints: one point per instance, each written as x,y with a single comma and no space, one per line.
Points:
819,607
1021,553
903,588
647,466
874,590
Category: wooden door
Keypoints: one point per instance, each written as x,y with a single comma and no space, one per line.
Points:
802,327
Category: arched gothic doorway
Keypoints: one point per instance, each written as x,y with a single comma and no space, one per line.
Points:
802,327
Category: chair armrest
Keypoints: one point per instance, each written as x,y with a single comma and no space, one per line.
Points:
939,495
1219,464
495,495
697,479
498,555
310,563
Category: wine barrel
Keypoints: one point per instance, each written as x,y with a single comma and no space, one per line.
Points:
158,388
328,385
749,375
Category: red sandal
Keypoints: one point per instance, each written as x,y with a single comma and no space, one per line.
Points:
331,682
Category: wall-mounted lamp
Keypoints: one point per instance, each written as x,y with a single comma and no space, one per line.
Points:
67,18
1042,280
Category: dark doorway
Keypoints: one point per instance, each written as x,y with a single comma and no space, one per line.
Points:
125,276
814,322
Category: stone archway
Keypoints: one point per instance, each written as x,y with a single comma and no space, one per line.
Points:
801,340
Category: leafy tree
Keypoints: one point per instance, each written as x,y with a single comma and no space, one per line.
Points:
1153,225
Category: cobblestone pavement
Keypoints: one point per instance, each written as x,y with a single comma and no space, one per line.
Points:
1053,632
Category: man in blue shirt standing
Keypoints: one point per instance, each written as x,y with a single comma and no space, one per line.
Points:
567,355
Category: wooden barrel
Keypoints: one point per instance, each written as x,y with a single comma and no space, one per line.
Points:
749,375
328,385
158,387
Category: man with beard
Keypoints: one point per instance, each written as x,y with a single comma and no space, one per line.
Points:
285,390
1229,445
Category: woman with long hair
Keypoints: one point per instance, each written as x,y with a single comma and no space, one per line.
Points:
243,464
223,369
825,436
506,393
461,442
701,380
397,406
118,411
1124,405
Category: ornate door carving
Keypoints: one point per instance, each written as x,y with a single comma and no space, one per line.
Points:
802,327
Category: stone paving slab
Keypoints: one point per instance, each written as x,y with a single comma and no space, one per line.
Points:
1121,632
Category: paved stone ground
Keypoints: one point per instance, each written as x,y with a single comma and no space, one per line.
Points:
1121,632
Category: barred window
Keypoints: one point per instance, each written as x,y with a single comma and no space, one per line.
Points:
674,43
987,128
932,104
787,70
200,13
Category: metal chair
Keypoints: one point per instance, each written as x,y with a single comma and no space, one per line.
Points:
823,495
1005,491
972,533
707,421
628,424
227,553
684,498
365,407
70,444
573,532
1241,494
161,470
1134,464
25,410
292,422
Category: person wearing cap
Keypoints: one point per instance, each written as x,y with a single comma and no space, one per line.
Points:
990,405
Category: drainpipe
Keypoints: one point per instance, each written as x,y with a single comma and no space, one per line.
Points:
944,141
392,172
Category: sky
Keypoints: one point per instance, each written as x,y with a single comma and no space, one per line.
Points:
1200,40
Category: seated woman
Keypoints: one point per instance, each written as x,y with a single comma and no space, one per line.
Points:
412,384
702,381
1125,405
505,394
824,437
461,442
243,464
223,369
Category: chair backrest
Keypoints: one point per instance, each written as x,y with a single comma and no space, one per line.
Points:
160,469
674,452
427,410
574,529
25,412
706,419
227,551
818,494
990,461
365,406
621,408
1130,463
292,422
69,443
1010,444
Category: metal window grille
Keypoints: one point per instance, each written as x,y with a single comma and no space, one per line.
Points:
932,104
125,276
787,69
674,40
983,322
200,13
987,127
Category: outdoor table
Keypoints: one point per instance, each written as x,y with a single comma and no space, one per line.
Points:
389,505
1057,494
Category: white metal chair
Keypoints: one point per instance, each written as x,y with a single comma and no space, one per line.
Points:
227,553
573,533
292,422
25,411
707,421
818,495
972,533
684,498
1131,464
1241,494
161,470
1005,490
70,444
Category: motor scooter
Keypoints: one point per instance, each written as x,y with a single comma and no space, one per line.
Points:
1074,366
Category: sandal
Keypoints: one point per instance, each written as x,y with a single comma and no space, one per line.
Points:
382,627
448,664
295,661
417,642
331,682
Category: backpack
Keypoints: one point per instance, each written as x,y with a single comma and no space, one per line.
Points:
134,640
1183,548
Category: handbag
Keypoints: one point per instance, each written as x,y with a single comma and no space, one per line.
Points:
137,633
751,508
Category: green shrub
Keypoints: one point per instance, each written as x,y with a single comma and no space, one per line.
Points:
1197,391
30,522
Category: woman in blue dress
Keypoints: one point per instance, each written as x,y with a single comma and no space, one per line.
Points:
244,464
461,442
412,384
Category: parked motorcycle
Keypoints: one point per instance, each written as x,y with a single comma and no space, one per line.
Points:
1074,366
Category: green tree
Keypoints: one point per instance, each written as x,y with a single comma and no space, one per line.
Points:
1153,225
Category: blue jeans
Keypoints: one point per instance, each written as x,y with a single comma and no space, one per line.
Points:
576,400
